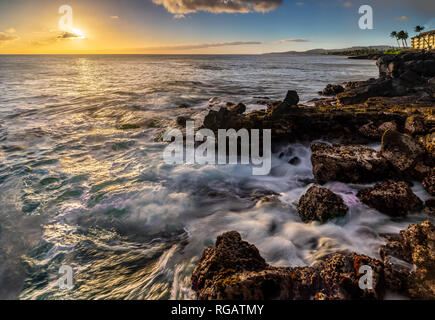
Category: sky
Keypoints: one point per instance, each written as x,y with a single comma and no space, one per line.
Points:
202,26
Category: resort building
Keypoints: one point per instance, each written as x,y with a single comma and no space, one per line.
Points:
424,40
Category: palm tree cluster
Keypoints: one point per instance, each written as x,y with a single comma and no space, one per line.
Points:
401,35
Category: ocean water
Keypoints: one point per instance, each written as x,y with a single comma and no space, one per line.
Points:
83,182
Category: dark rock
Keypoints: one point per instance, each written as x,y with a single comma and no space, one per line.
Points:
391,197
287,106
292,98
430,207
233,270
429,183
224,118
181,120
354,164
238,108
332,90
321,204
373,88
416,246
294,161
371,131
415,125
403,152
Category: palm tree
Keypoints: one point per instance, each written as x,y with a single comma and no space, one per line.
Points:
400,36
405,37
419,29
394,36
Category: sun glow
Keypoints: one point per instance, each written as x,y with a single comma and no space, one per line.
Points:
79,34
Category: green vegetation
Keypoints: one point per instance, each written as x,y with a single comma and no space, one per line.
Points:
357,52
393,51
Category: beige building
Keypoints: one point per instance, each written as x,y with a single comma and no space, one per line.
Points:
424,40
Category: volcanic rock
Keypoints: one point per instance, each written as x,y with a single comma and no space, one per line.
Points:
352,164
391,197
320,204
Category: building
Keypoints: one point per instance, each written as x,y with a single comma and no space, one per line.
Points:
424,40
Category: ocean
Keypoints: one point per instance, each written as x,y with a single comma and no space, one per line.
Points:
83,182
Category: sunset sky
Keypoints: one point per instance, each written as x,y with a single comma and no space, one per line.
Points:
203,26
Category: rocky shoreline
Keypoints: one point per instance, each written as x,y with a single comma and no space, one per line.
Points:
396,110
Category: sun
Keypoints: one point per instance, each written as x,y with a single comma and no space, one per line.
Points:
78,34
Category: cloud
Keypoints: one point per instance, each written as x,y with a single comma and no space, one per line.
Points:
293,40
402,19
348,4
4,37
181,7
198,46
299,3
11,30
69,35
114,17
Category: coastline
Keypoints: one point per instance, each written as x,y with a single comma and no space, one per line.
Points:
396,110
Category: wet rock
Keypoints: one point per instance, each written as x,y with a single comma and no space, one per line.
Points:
321,204
352,164
234,270
391,197
224,118
294,161
332,90
430,207
287,106
181,120
416,246
372,88
429,143
415,125
238,108
403,152
291,98
429,183
370,130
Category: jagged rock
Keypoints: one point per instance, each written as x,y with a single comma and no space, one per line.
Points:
357,164
181,120
399,76
394,66
391,197
238,108
372,88
321,204
370,130
233,270
291,98
403,152
429,183
415,245
294,161
332,90
224,118
429,142
290,102
415,125
430,207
